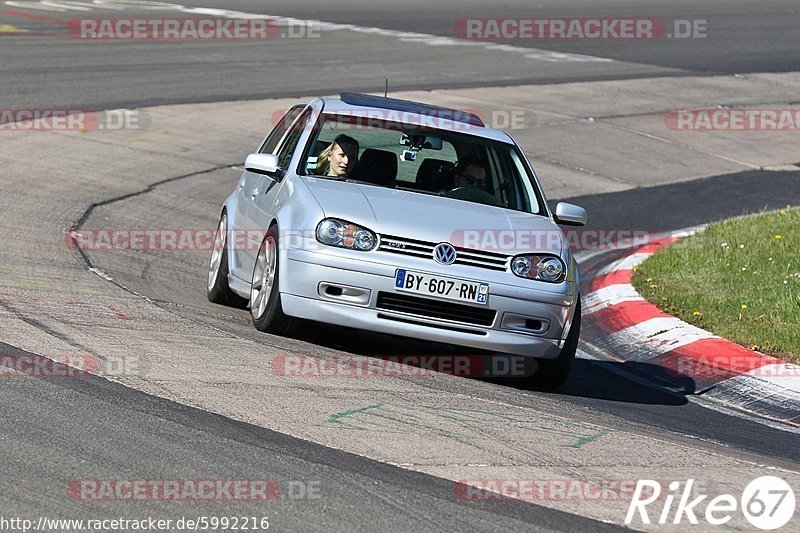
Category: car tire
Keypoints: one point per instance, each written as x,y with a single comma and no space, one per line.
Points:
218,290
265,307
551,373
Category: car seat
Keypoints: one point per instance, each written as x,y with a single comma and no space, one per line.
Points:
376,166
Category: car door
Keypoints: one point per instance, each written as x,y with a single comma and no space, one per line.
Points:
264,206
239,226
242,229
261,197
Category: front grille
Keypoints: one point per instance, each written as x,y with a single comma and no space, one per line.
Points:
466,256
436,309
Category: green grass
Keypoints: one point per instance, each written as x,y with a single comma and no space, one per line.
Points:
739,279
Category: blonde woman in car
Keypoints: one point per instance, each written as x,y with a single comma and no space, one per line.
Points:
339,158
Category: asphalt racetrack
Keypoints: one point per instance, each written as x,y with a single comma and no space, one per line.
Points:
185,390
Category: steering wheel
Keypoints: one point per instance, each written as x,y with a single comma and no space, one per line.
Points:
473,195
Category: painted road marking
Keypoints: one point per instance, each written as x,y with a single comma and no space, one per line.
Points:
403,36
455,422
413,37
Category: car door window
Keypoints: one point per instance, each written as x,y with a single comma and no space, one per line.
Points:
280,129
292,138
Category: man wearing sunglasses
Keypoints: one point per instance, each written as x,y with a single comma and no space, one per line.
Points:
470,172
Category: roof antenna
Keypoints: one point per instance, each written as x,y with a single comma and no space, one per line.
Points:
386,91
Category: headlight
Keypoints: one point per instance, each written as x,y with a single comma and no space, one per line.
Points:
541,268
335,232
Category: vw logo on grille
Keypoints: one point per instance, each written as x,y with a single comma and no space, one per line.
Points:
444,253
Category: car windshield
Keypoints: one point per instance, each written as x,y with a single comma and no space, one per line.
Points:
423,160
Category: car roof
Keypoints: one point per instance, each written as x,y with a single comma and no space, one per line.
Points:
436,117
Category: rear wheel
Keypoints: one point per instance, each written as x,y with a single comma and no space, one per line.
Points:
265,298
218,290
551,373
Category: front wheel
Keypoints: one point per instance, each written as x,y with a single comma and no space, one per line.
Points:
265,298
551,373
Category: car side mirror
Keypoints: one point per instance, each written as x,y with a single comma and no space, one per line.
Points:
570,214
263,164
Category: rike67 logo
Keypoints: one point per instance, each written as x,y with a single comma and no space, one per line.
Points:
767,502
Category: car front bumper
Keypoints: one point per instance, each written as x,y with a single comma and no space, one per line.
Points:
308,275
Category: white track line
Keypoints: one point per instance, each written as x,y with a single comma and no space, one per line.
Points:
407,36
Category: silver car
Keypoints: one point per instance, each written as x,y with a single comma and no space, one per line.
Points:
403,218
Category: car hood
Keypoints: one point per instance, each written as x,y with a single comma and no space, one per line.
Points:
392,212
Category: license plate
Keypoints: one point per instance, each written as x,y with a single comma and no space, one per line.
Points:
459,290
